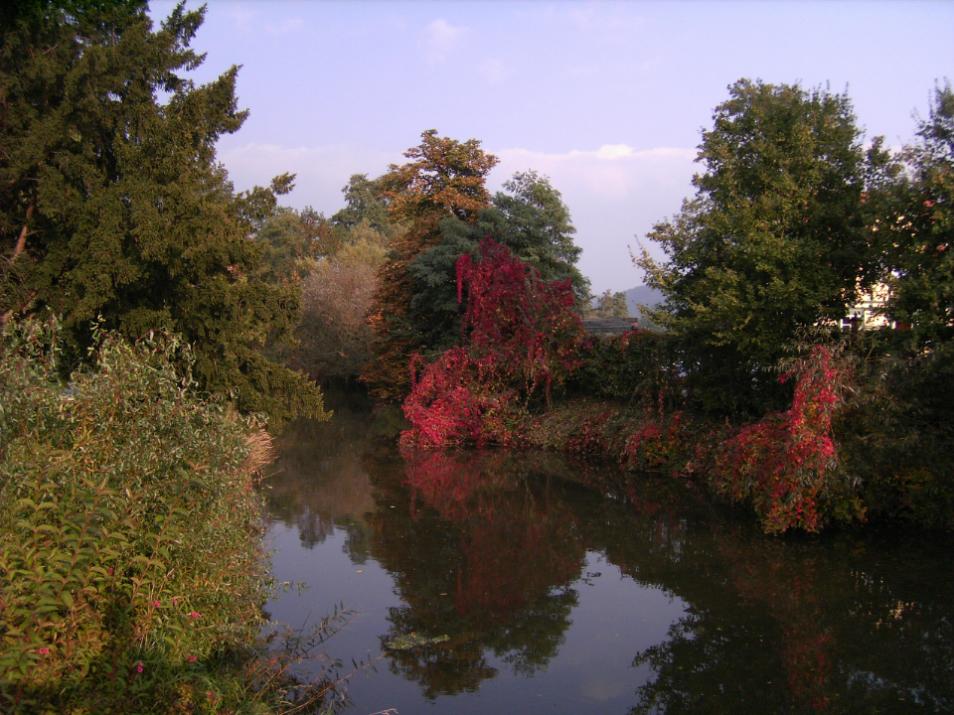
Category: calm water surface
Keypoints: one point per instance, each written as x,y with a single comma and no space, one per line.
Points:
491,582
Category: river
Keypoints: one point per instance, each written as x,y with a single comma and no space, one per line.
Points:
505,582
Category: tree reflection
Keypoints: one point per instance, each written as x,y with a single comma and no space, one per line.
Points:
482,555
785,626
486,548
319,480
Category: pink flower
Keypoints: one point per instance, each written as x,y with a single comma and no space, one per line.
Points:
192,658
156,604
194,615
43,651
139,666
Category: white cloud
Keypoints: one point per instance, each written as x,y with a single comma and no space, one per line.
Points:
440,39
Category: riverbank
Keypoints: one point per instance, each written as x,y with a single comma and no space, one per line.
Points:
132,566
823,460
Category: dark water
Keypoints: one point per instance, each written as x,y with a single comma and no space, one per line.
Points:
532,584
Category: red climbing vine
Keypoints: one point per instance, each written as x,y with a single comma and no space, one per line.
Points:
785,462
521,335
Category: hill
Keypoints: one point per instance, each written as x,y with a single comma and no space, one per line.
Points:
641,295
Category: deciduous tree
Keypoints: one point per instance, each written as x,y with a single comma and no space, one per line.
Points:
772,241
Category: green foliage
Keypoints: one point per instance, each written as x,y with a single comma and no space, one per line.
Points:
364,202
292,242
530,218
896,434
918,229
115,205
636,367
130,558
896,430
772,241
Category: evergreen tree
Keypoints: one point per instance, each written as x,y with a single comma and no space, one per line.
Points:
112,203
443,179
772,241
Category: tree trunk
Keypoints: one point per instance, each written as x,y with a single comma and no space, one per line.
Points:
24,232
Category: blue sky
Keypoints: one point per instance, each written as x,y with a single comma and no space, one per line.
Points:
607,99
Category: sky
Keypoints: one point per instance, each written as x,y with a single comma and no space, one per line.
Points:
606,99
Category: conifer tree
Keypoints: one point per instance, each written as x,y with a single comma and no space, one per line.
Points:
443,179
112,203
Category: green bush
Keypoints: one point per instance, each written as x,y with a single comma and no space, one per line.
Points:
639,366
131,569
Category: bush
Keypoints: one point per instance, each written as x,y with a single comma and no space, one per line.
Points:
130,559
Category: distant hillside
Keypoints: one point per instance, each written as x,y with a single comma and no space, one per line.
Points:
642,295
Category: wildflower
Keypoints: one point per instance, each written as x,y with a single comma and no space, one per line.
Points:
194,615
139,666
43,651
192,658
156,604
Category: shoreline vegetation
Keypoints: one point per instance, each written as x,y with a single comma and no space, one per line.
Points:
130,542
190,315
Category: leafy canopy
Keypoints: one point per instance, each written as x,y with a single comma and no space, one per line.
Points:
444,178
772,241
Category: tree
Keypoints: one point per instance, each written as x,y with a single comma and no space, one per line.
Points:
364,201
609,305
535,224
112,203
919,233
772,242
293,241
443,179
529,218
335,338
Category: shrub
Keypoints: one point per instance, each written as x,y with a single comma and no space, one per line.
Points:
523,335
130,559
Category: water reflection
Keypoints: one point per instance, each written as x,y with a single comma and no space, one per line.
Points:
502,570
482,555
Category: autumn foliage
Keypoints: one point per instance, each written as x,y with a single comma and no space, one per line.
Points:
784,463
521,337
442,178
